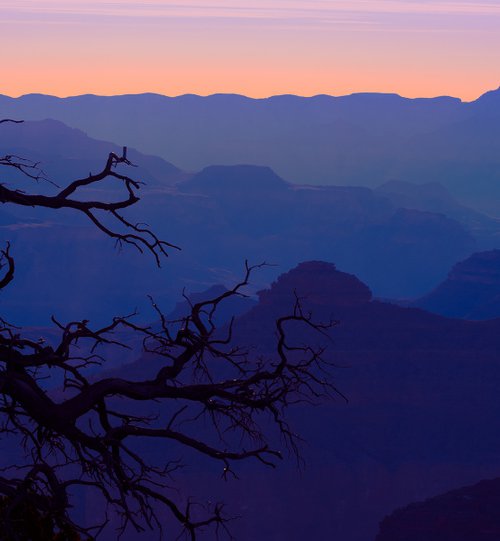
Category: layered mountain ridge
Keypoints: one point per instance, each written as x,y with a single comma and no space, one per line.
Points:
220,217
362,139
471,290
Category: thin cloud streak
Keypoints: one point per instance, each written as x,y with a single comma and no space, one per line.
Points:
258,9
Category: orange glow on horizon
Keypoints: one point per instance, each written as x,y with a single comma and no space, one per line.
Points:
406,89
413,48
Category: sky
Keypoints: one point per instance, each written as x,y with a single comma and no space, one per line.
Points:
416,48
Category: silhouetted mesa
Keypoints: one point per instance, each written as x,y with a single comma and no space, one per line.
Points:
239,180
423,398
317,283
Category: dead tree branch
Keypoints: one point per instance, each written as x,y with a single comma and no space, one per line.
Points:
136,235
84,435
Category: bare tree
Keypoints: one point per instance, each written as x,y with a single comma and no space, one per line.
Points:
83,435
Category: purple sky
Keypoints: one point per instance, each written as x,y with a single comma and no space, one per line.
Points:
258,48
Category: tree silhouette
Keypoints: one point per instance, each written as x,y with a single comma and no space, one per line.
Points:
82,435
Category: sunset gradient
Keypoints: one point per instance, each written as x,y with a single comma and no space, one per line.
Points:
258,48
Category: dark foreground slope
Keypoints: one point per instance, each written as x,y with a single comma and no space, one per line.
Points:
422,402
420,419
465,514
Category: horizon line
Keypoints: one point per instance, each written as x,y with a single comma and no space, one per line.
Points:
254,98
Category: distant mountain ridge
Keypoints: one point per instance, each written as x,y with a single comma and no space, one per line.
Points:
221,217
434,197
400,238
66,154
283,223
471,290
361,139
